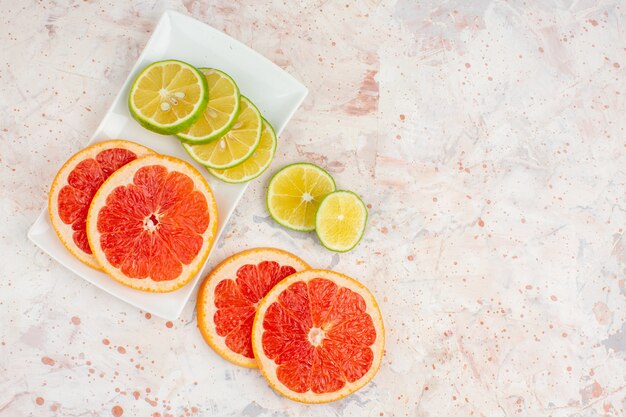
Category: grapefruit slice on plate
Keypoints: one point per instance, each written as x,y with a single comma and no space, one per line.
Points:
152,223
318,336
75,185
229,295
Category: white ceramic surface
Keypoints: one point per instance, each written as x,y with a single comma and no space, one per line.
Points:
276,93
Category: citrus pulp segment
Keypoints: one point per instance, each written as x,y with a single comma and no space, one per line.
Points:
235,146
340,220
168,96
229,295
152,223
75,185
221,111
256,164
318,336
295,192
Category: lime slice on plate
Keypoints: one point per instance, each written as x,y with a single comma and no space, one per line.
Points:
294,194
221,112
256,164
235,146
168,96
340,221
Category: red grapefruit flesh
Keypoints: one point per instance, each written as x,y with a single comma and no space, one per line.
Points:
152,223
318,336
229,295
75,185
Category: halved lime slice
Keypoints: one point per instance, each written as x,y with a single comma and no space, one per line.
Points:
168,96
235,146
295,192
256,164
221,112
340,221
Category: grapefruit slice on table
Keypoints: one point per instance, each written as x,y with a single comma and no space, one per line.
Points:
75,185
151,225
318,336
229,295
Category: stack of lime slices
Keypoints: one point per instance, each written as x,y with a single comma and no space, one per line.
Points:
303,197
217,126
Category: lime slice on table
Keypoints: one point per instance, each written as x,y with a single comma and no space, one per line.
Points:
294,194
256,164
168,96
221,112
235,146
340,221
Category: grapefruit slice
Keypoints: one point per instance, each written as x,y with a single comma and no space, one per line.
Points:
75,185
151,225
229,295
318,336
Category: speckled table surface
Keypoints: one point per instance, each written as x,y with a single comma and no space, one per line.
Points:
487,138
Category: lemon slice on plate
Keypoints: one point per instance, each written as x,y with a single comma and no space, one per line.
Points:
294,194
340,221
235,146
168,96
256,164
221,112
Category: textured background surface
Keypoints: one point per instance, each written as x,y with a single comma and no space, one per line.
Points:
488,140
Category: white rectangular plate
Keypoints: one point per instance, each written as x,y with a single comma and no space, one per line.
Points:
276,93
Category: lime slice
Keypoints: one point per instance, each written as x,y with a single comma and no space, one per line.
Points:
256,164
221,112
168,96
340,221
235,146
295,192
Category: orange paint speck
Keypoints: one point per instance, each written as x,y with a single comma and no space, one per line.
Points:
481,223
410,257
47,361
541,49
467,65
121,349
169,324
156,414
384,230
105,341
136,395
39,401
54,407
76,320
148,316
117,411
553,297
435,199
596,389
615,65
402,117
593,22
194,410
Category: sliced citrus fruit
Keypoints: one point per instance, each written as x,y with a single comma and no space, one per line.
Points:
295,192
318,336
168,96
221,111
75,185
256,164
340,220
152,223
229,295
235,146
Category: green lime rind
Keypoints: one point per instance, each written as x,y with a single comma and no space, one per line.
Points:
318,220
222,131
269,186
221,177
187,146
183,123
